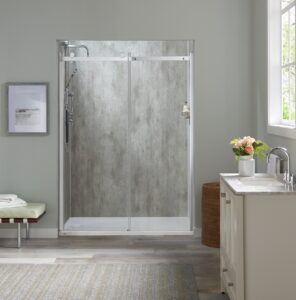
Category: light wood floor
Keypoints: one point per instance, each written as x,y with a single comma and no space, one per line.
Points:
121,250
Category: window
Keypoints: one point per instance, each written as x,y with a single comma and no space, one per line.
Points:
281,68
288,62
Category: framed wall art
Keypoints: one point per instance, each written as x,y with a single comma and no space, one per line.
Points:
27,105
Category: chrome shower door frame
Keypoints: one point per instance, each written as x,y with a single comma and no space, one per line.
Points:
189,59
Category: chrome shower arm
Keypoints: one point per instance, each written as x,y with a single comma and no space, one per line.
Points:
67,46
79,46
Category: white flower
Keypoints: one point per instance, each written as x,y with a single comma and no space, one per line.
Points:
239,143
248,141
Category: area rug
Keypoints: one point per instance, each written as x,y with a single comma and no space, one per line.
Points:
97,281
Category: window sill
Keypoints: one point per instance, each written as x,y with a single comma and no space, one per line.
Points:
282,130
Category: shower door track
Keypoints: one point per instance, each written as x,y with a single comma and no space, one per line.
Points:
191,189
127,58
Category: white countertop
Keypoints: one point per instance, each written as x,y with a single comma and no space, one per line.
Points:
243,185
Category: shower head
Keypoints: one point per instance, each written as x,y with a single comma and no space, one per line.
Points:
68,46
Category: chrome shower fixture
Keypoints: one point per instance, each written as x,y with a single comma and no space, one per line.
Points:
69,46
70,79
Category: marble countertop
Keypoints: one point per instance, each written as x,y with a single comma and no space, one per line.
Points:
243,185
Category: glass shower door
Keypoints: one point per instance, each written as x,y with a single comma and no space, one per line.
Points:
159,146
97,149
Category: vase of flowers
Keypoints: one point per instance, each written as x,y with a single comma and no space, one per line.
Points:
245,149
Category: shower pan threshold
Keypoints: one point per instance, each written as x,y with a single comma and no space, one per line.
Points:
119,226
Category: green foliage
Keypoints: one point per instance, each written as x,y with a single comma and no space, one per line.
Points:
234,141
239,152
285,111
260,149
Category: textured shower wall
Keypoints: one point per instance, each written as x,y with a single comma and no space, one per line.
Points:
99,185
158,149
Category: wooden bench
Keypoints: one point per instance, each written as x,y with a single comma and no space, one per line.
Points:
28,214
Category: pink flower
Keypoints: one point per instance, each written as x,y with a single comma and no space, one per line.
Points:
249,150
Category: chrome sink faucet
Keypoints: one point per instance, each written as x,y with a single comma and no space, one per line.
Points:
283,155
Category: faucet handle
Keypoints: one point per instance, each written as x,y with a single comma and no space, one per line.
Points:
289,178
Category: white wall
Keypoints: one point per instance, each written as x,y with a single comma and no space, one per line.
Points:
28,33
259,30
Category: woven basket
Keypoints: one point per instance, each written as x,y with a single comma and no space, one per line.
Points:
211,214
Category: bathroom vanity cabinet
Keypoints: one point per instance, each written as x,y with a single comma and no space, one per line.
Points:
258,238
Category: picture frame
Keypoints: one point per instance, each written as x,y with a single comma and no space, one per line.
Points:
27,108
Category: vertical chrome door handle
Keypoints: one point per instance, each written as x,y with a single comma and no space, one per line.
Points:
67,126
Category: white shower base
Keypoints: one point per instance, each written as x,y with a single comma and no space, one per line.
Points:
119,226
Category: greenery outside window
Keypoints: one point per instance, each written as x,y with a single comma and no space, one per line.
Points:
288,61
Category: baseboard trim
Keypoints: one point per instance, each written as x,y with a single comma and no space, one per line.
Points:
197,232
53,233
9,233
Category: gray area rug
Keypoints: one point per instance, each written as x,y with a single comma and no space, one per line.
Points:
97,281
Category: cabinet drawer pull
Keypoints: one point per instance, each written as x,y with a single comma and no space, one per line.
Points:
230,284
228,201
224,270
223,195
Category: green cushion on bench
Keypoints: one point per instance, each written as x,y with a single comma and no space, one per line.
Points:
32,211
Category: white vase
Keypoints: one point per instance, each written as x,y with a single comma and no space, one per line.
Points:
246,166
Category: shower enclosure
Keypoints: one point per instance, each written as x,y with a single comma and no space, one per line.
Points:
126,152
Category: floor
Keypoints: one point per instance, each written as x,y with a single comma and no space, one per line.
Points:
121,250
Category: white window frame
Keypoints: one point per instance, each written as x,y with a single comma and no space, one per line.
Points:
275,123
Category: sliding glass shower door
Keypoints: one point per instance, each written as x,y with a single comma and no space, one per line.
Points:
159,185
124,145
